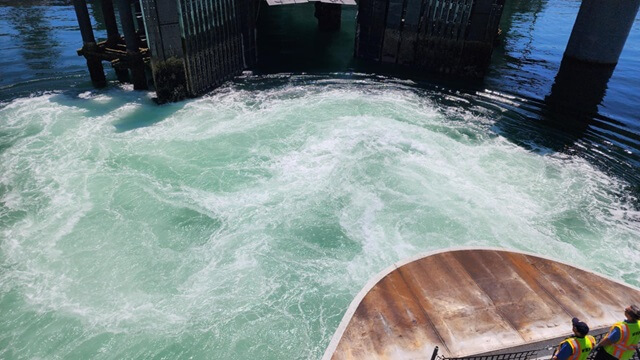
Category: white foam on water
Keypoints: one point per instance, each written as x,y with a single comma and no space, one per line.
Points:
243,222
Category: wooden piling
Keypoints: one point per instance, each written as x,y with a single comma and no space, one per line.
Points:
408,42
113,35
96,71
139,78
139,19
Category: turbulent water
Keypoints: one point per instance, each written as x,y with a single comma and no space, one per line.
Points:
241,224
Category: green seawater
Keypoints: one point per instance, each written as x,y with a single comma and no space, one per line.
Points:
241,224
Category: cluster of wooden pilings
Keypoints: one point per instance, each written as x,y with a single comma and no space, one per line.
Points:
193,46
127,54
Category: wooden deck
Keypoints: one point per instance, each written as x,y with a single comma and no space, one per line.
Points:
474,301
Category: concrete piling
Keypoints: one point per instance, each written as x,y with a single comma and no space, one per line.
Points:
600,30
597,39
579,88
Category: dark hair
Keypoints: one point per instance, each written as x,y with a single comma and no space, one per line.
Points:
581,327
634,311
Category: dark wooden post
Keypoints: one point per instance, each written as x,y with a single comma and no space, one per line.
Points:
133,49
96,71
113,35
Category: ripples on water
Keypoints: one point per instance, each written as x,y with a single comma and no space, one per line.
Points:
241,224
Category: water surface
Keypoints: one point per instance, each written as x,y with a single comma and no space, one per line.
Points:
240,225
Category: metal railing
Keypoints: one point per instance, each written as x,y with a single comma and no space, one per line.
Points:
522,355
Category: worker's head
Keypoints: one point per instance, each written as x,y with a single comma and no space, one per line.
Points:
579,328
632,312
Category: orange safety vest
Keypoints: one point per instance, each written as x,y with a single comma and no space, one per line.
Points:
629,338
581,347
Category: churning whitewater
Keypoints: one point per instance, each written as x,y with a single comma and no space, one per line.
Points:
240,225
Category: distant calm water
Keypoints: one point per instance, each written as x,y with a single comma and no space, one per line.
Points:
240,225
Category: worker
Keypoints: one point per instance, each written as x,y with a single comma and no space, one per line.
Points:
623,337
578,346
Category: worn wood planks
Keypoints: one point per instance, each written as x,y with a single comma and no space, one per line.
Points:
474,301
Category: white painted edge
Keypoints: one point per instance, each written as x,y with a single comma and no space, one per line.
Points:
348,315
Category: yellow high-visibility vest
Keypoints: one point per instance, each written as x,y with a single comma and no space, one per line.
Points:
581,347
629,337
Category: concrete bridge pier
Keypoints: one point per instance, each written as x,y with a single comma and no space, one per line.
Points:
139,78
600,30
329,16
579,88
96,71
597,39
